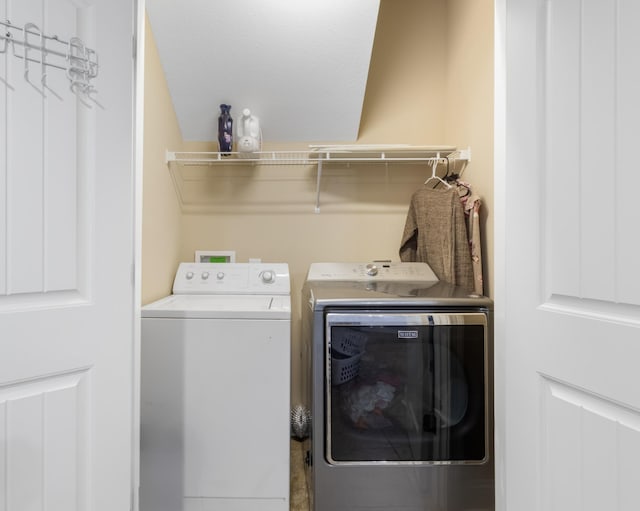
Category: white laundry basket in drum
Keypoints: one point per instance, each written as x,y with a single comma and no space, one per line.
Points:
344,369
346,351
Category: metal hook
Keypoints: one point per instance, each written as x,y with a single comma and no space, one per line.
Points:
27,47
91,63
89,94
76,71
6,38
43,71
79,89
7,83
6,45
43,80
77,59
11,39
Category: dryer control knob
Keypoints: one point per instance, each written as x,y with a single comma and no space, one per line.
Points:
268,276
372,270
220,275
189,275
205,275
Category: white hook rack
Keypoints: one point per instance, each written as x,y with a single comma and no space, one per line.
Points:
78,62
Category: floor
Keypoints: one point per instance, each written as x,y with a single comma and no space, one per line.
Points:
299,497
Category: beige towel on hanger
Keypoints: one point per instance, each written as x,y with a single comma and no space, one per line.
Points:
471,205
435,233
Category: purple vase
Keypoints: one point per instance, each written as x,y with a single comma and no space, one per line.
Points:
225,130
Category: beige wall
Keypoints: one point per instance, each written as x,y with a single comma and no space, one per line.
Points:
161,224
406,85
415,95
468,119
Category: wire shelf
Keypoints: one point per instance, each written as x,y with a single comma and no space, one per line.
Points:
320,155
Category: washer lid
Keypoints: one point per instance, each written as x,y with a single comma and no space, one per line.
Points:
220,306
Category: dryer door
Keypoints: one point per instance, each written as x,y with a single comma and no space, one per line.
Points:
407,387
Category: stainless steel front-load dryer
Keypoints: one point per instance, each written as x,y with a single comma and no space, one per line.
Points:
398,374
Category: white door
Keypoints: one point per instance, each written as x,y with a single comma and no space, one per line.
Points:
66,254
568,292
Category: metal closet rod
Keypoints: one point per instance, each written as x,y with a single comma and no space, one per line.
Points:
453,154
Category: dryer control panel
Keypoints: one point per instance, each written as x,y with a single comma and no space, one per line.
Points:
232,278
379,270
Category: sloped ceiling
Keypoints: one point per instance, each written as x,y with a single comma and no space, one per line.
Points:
300,66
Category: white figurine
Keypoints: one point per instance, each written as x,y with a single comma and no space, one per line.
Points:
249,135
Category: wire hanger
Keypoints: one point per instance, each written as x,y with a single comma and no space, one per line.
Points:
434,167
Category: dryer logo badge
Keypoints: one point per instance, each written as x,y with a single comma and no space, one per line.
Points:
407,334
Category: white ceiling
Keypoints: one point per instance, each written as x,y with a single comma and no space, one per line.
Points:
301,66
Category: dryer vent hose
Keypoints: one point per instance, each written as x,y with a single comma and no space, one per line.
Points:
300,422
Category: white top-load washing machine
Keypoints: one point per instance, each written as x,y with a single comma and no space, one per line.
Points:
215,390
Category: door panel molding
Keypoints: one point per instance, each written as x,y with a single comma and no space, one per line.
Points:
48,168
45,455
587,124
588,442
620,313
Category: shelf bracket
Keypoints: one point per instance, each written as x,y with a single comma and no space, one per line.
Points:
318,179
461,154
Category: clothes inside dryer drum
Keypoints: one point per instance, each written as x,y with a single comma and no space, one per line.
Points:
406,399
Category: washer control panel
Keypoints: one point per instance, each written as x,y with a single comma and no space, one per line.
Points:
232,278
379,270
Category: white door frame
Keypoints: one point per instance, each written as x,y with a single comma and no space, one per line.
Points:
499,207
138,169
